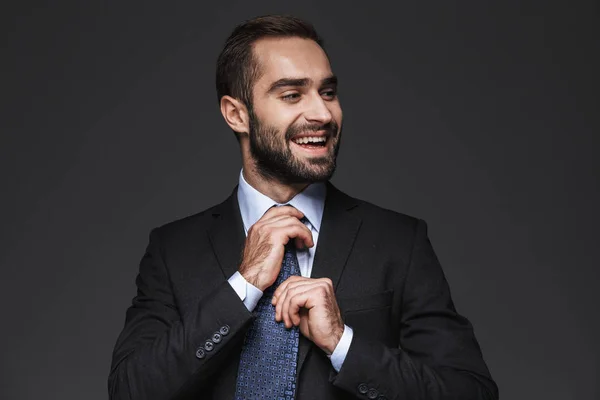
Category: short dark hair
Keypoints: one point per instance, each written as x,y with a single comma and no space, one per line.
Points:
238,69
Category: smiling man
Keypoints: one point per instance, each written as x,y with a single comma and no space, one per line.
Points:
291,289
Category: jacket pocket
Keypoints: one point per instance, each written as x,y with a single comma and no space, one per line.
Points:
370,315
365,302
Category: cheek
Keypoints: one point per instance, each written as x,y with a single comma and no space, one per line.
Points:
277,117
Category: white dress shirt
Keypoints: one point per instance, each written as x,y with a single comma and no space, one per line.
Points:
311,202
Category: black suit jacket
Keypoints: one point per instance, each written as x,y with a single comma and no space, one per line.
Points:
409,342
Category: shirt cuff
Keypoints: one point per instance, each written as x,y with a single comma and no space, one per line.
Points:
341,350
247,292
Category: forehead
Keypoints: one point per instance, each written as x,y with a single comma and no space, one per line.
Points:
290,58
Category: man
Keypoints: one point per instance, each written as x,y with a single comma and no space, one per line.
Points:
290,289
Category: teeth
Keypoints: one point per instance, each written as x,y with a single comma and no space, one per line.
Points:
310,139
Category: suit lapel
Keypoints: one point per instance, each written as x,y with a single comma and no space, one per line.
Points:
227,234
336,238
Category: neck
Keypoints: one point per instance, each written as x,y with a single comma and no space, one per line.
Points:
278,191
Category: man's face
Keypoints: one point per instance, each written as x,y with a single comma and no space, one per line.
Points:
296,120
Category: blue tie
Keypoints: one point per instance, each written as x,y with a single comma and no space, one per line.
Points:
269,357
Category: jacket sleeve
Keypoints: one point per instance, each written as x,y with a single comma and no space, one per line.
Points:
438,357
161,354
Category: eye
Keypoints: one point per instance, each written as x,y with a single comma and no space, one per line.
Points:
291,97
329,93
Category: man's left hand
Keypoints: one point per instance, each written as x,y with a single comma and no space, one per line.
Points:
310,304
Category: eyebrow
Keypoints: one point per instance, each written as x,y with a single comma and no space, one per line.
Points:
300,82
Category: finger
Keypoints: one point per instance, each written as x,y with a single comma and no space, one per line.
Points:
278,296
281,236
302,301
293,287
284,222
283,286
282,210
327,282
296,232
279,300
307,299
292,295
270,224
281,293
275,219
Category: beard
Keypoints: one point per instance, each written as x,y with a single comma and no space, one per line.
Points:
275,160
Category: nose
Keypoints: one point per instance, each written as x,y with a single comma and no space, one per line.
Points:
318,110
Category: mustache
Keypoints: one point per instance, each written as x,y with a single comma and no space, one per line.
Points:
330,128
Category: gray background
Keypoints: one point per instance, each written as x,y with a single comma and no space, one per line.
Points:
482,119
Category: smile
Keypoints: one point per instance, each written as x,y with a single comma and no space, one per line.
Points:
316,140
315,146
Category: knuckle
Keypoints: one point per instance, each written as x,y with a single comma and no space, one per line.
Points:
258,228
291,293
323,290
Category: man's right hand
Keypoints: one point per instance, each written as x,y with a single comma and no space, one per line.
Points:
265,244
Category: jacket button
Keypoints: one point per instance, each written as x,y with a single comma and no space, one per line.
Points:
216,337
224,330
200,353
363,388
372,394
208,346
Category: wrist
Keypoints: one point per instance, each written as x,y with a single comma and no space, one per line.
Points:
250,277
336,336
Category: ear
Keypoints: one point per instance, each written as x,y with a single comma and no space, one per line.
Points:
235,114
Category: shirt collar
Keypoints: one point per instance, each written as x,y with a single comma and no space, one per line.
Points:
253,204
